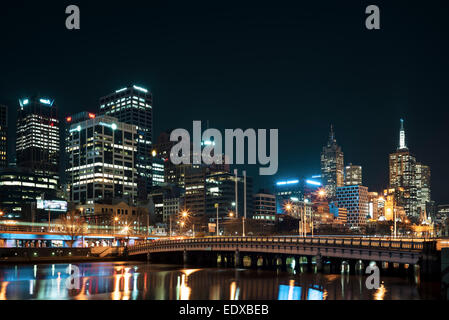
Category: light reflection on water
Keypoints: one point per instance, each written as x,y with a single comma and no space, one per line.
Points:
135,280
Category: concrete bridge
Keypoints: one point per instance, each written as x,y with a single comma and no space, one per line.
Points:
274,251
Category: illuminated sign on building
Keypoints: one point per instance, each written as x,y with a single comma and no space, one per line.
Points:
312,182
52,205
280,183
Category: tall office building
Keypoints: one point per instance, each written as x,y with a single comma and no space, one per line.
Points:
332,168
264,203
134,105
286,191
37,145
353,175
20,188
220,188
402,175
101,152
173,174
157,171
195,190
423,188
3,136
355,200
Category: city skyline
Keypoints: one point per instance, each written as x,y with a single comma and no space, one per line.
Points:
208,152
401,145
322,76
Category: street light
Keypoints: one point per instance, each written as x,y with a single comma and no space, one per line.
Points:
216,206
184,215
115,223
321,193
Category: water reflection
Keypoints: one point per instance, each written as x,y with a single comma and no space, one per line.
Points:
380,293
132,281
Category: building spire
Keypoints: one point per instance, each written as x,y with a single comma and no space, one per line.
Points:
402,136
331,135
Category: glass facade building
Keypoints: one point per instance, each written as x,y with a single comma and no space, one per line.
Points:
37,144
134,105
355,200
102,161
20,188
332,168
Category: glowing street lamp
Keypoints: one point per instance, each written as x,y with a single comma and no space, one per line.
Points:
321,193
115,223
288,206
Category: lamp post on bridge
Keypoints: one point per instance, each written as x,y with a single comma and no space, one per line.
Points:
216,224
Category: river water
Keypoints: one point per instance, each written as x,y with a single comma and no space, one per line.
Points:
138,280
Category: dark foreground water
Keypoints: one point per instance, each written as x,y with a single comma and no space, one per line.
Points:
136,280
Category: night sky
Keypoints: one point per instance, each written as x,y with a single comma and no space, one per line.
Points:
297,66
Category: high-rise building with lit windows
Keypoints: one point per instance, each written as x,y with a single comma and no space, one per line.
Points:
423,188
402,169
355,200
285,191
3,136
37,144
332,168
101,162
20,188
157,174
134,105
353,175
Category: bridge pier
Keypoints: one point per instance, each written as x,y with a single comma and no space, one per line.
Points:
260,261
185,258
283,262
280,262
237,261
345,267
319,263
268,261
359,267
352,266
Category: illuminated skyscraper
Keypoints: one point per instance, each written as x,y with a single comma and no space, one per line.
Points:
37,145
287,190
134,105
355,200
422,187
332,168
402,170
3,136
353,175
101,153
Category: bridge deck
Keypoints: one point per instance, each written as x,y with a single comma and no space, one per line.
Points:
392,250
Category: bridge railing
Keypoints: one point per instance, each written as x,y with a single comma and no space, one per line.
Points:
378,243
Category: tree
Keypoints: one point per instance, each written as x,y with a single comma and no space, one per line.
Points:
73,225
